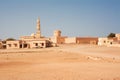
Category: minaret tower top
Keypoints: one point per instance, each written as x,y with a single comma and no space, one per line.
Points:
38,33
38,24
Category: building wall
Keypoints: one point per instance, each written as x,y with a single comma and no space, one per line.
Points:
53,39
12,44
37,44
70,40
61,40
27,37
86,40
102,41
57,33
81,40
58,40
28,44
118,36
105,42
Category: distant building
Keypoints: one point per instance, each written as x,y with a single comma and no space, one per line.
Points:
82,40
13,44
118,36
33,41
36,40
115,41
2,44
57,38
105,41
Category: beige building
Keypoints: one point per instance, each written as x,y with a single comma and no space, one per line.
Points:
70,40
36,40
105,41
13,44
115,41
57,38
2,44
32,41
118,37
82,40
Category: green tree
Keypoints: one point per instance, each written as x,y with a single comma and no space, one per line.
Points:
111,35
10,39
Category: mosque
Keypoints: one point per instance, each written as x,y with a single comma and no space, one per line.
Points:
33,41
36,40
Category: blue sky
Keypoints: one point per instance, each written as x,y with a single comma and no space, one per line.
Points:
95,18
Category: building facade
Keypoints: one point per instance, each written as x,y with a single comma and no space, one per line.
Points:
115,41
82,40
33,41
36,40
57,38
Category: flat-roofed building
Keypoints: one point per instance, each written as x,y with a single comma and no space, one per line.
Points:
82,40
58,38
13,44
32,41
115,41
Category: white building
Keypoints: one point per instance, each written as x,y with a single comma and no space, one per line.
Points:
115,41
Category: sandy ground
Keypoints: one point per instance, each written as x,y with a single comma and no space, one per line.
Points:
66,62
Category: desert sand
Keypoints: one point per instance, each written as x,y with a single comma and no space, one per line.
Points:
66,62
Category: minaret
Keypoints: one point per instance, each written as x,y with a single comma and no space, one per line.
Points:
38,33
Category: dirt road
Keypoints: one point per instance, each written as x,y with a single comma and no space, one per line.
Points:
66,62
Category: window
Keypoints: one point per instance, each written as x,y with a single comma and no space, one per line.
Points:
15,45
25,45
20,45
42,44
9,45
36,44
104,41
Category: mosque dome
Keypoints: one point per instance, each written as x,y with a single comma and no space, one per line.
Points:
32,34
